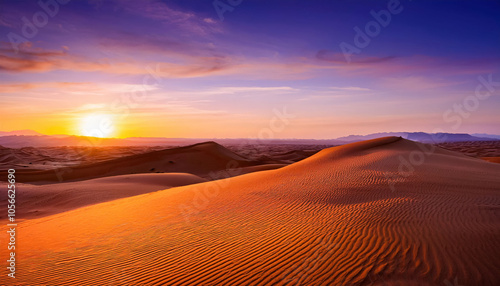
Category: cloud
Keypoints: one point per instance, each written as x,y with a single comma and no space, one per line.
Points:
157,10
127,44
176,109
350,88
91,107
204,62
336,92
405,66
248,89
338,58
415,83
70,93
22,87
28,58
209,20
4,23
44,61
38,60
180,41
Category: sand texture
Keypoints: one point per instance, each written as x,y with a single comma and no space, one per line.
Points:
348,215
37,201
200,159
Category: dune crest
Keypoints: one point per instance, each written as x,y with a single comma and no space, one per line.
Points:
330,219
199,159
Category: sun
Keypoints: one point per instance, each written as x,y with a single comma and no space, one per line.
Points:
97,125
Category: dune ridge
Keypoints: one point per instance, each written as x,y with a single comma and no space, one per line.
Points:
199,159
330,219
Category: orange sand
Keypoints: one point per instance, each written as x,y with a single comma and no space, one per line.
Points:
330,219
201,159
492,159
38,201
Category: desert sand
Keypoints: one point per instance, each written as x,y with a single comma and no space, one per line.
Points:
37,201
204,159
46,158
348,215
491,159
474,148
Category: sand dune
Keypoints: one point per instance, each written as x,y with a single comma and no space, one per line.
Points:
39,201
46,158
199,159
285,153
475,148
245,170
331,219
492,159
295,155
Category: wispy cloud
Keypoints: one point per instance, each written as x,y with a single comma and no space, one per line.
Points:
91,107
416,83
20,87
337,92
408,65
74,87
157,10
44,61
350,88
36,60
253,89
338,58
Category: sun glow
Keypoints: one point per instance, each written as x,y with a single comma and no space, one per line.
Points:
97,125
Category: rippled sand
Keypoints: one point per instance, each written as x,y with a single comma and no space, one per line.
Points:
348,215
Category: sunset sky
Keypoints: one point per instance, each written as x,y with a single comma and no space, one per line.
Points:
178,69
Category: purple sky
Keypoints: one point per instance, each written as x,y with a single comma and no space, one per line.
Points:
195,69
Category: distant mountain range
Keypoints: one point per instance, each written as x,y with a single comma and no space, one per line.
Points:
30,138
483,135
25,132
425,137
